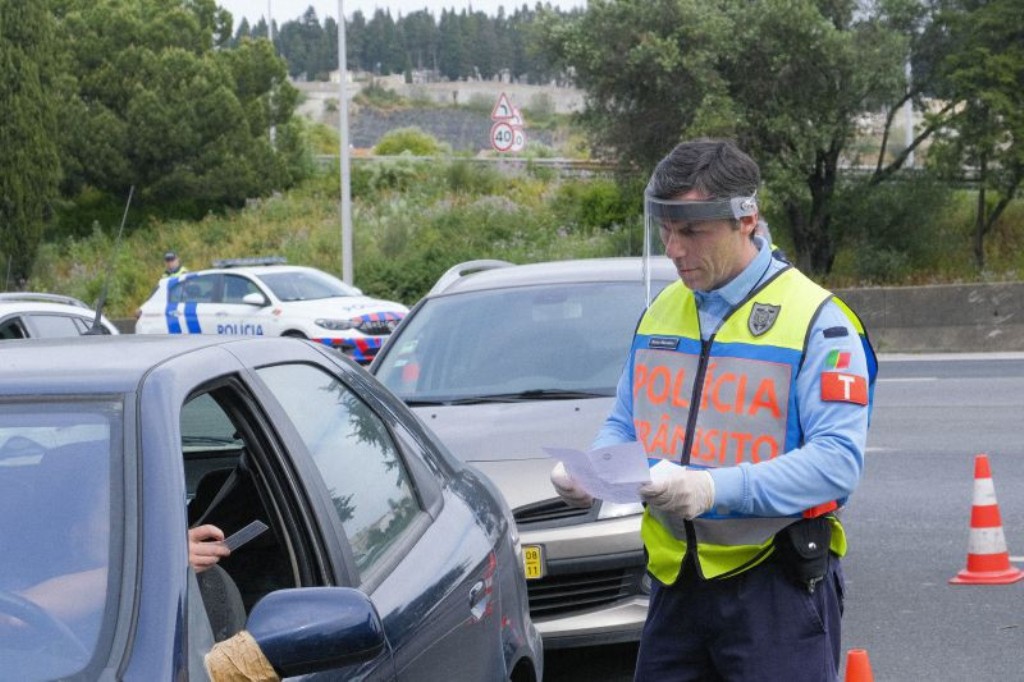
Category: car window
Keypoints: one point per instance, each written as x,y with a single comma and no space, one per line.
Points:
362,468
85,325
12,329
305,285
555,337
196,289
234,475
236,288
54,326
58,519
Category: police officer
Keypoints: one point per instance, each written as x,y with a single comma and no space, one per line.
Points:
749,387
172,265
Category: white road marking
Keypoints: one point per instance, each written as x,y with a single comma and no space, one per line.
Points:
905,357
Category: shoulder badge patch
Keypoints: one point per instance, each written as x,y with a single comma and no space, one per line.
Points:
762,317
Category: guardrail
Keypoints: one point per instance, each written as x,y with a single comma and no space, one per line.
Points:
565,167
943,317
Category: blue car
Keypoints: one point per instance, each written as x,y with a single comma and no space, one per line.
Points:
366,551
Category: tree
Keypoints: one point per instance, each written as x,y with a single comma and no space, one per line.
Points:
820,65
29,161
786,78
984,78
452,58
421,39
649,69
156,106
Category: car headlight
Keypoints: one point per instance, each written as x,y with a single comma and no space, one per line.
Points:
613,510
335,325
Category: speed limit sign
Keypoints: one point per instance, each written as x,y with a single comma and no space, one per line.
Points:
503,136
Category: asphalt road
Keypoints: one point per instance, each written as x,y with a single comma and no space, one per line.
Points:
908,525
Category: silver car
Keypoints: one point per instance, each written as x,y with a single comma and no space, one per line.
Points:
33,315
500,361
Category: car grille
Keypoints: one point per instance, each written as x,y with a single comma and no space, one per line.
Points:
581,584
559,595
378,324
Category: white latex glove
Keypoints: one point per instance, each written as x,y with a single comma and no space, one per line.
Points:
568,489
679,491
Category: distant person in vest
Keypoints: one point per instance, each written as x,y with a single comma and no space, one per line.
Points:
764,233
748,387
172,265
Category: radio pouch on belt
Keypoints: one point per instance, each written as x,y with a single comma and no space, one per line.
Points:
803,549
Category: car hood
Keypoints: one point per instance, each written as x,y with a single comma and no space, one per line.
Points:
343,305
505,440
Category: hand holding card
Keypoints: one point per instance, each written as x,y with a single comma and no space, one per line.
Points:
244,535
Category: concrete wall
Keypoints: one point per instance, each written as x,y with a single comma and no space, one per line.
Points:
942,318
945,318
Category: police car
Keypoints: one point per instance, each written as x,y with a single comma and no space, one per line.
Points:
32,315
266,297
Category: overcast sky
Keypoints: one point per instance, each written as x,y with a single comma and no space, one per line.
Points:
289,10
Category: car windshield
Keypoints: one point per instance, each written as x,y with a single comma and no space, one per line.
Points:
524,343
305,285
56,525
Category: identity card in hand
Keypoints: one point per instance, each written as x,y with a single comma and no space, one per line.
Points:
614,473
244,535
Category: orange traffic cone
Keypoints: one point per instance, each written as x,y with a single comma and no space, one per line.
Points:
858,667
988,562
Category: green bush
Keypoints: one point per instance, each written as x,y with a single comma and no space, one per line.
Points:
393,175
413,218
465,177
373,94
411,140
597,204
891,229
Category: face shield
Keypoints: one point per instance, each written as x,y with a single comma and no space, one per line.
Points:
661,214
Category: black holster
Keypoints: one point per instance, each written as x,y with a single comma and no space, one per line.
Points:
803,550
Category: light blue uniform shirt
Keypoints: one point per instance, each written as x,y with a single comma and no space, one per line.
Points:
828,466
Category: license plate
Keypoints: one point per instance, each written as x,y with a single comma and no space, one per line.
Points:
533,561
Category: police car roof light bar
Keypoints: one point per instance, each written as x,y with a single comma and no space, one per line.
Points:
248,262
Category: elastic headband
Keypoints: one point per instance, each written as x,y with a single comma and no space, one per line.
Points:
716,209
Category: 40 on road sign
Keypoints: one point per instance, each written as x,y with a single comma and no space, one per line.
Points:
503,136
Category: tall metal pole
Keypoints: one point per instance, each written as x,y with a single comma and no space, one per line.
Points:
908,113
270,27
346,182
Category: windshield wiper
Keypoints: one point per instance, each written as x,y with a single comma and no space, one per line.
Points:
519,396
532,394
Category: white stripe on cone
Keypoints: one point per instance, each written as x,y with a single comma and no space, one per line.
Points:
987,541
984,492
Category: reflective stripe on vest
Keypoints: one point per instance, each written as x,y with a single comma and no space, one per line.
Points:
742,383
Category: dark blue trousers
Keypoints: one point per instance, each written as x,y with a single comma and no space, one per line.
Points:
758,625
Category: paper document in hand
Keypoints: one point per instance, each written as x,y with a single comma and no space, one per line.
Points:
613,473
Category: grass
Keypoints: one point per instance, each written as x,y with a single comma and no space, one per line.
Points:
413,217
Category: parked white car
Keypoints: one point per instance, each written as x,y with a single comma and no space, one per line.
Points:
264,297
33,315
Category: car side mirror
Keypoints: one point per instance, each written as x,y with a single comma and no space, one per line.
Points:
256,299
311,629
